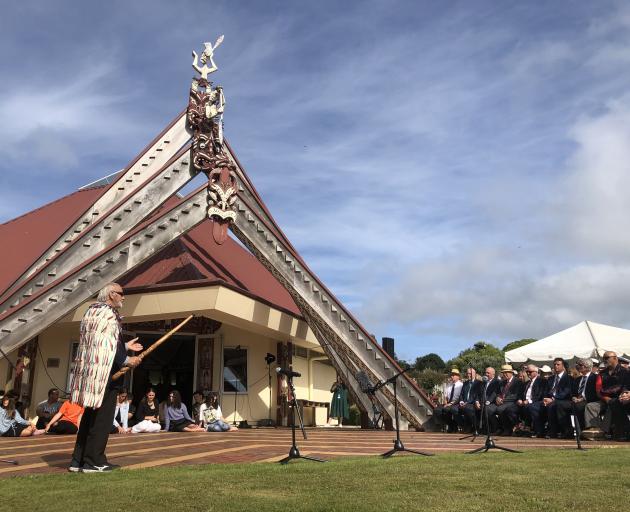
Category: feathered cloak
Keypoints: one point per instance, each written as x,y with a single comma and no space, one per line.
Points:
100,330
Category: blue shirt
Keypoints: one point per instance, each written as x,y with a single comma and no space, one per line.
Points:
6,422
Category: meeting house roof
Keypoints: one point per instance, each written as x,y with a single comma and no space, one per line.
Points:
193,259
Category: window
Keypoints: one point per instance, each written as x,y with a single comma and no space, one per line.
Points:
235,370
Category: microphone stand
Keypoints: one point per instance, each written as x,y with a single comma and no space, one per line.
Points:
398,444
577,427
235,397
8,461
294,452
489,444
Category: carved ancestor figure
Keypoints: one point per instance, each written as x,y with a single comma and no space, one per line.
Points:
205,119
206,55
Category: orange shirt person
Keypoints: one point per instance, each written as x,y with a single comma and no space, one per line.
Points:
66,421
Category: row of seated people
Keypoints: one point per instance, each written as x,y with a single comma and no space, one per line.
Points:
171,415
538,405
63,418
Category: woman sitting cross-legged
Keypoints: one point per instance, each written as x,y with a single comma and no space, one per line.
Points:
211,416
67,419
177,418
147,414
12,424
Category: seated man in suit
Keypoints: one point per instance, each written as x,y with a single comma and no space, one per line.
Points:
467,416
443,414
615,397
491,388
506,410
585,395
530,402
558,401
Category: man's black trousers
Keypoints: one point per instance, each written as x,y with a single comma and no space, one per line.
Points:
94,432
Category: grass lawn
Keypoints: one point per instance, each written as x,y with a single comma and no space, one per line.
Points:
548,480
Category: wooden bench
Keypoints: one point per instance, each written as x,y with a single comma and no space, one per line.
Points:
311,420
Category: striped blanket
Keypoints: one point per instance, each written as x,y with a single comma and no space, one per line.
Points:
100,329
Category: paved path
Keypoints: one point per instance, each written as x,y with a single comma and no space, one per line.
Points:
51,454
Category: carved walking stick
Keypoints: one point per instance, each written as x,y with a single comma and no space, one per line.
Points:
142,355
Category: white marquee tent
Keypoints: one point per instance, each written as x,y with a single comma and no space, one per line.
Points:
586,339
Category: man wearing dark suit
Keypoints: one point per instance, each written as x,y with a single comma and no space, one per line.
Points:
530,401
558,401
492,387
584,395
614,396
506,410
467,416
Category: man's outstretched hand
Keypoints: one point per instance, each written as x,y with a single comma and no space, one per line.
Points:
133,345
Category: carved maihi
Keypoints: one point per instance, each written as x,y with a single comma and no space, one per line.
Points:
331,342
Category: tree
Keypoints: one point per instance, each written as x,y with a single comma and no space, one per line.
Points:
518,343
430,361
402,363
479,356
427,379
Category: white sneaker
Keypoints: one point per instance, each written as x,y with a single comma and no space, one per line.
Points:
88,468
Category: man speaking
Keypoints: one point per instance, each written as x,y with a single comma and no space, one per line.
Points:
101,353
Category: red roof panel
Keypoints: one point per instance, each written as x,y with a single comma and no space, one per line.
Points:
29,235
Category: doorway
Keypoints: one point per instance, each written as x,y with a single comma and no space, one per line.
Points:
170,366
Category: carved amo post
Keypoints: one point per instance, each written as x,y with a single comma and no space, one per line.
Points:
206,105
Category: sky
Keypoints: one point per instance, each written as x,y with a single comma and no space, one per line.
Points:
454,171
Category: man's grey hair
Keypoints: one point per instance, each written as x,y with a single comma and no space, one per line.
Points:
103,295
587,363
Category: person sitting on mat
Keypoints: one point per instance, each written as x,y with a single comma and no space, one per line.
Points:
121,414
48,408
12,424
67,419
147,415
212,419
177,418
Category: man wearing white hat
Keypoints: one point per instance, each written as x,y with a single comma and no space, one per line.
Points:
443,414
505,409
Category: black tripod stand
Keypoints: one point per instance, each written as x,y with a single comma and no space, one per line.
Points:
8,461
268,422
294,453
398,444
489,444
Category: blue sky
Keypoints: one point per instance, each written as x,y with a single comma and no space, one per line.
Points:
453,171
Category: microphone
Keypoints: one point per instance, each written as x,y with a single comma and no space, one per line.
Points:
288,372
484,378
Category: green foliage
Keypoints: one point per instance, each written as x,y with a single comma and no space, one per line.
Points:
354,416
479,356
427,379
430,361
402,363
518,343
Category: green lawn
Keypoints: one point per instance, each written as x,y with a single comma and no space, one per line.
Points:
597,479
